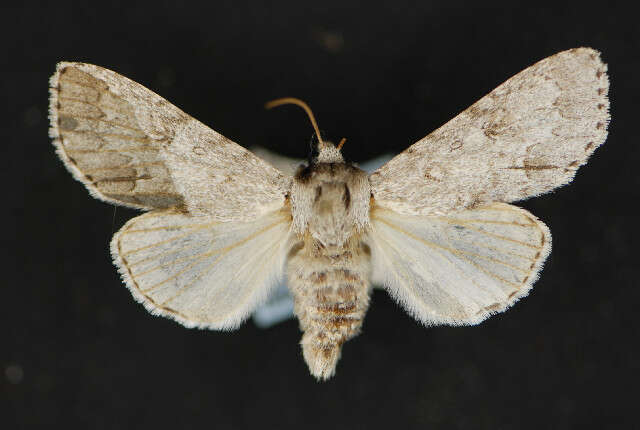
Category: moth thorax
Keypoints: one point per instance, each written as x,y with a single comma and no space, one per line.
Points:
330,202
330,223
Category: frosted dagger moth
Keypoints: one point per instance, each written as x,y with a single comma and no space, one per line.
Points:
433,225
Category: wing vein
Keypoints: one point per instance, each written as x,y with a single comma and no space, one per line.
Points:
114,123
481,221
174,262
505,238
184,288
119,151
162,254
78,83
157,284
451,250
440,248
162,242
223,252
260,271
142,139
124,166
400,273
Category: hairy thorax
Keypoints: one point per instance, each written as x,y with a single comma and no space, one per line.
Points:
329,264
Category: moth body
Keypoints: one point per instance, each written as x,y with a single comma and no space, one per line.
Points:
434,226
328,265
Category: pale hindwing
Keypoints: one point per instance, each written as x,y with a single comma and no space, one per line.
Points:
129,146
458,269
199,271
526,137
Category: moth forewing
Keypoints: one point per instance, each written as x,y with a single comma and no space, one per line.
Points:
525,138
130,146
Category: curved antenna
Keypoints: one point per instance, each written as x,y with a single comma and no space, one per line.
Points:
342,141
303,105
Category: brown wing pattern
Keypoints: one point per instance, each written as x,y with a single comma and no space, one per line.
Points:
98,133
129,146
527,137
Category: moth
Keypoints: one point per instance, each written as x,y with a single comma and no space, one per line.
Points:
434,226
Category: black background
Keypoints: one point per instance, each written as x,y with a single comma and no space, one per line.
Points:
77,351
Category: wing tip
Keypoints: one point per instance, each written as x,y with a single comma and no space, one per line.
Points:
598,84
58,141
54,88
590,60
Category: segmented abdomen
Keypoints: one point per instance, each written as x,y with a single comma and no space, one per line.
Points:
331,295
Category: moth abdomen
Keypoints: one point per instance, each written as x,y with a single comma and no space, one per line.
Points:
330,288
332,315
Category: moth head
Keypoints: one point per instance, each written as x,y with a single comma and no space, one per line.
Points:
324,151
328,152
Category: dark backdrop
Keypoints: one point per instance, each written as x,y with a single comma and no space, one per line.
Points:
77,351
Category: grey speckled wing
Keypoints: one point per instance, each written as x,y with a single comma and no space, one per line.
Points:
131,147
525,138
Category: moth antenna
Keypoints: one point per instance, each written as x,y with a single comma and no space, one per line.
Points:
342,141
303,105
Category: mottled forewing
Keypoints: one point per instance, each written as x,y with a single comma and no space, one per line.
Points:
129,146
525,138
109,131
